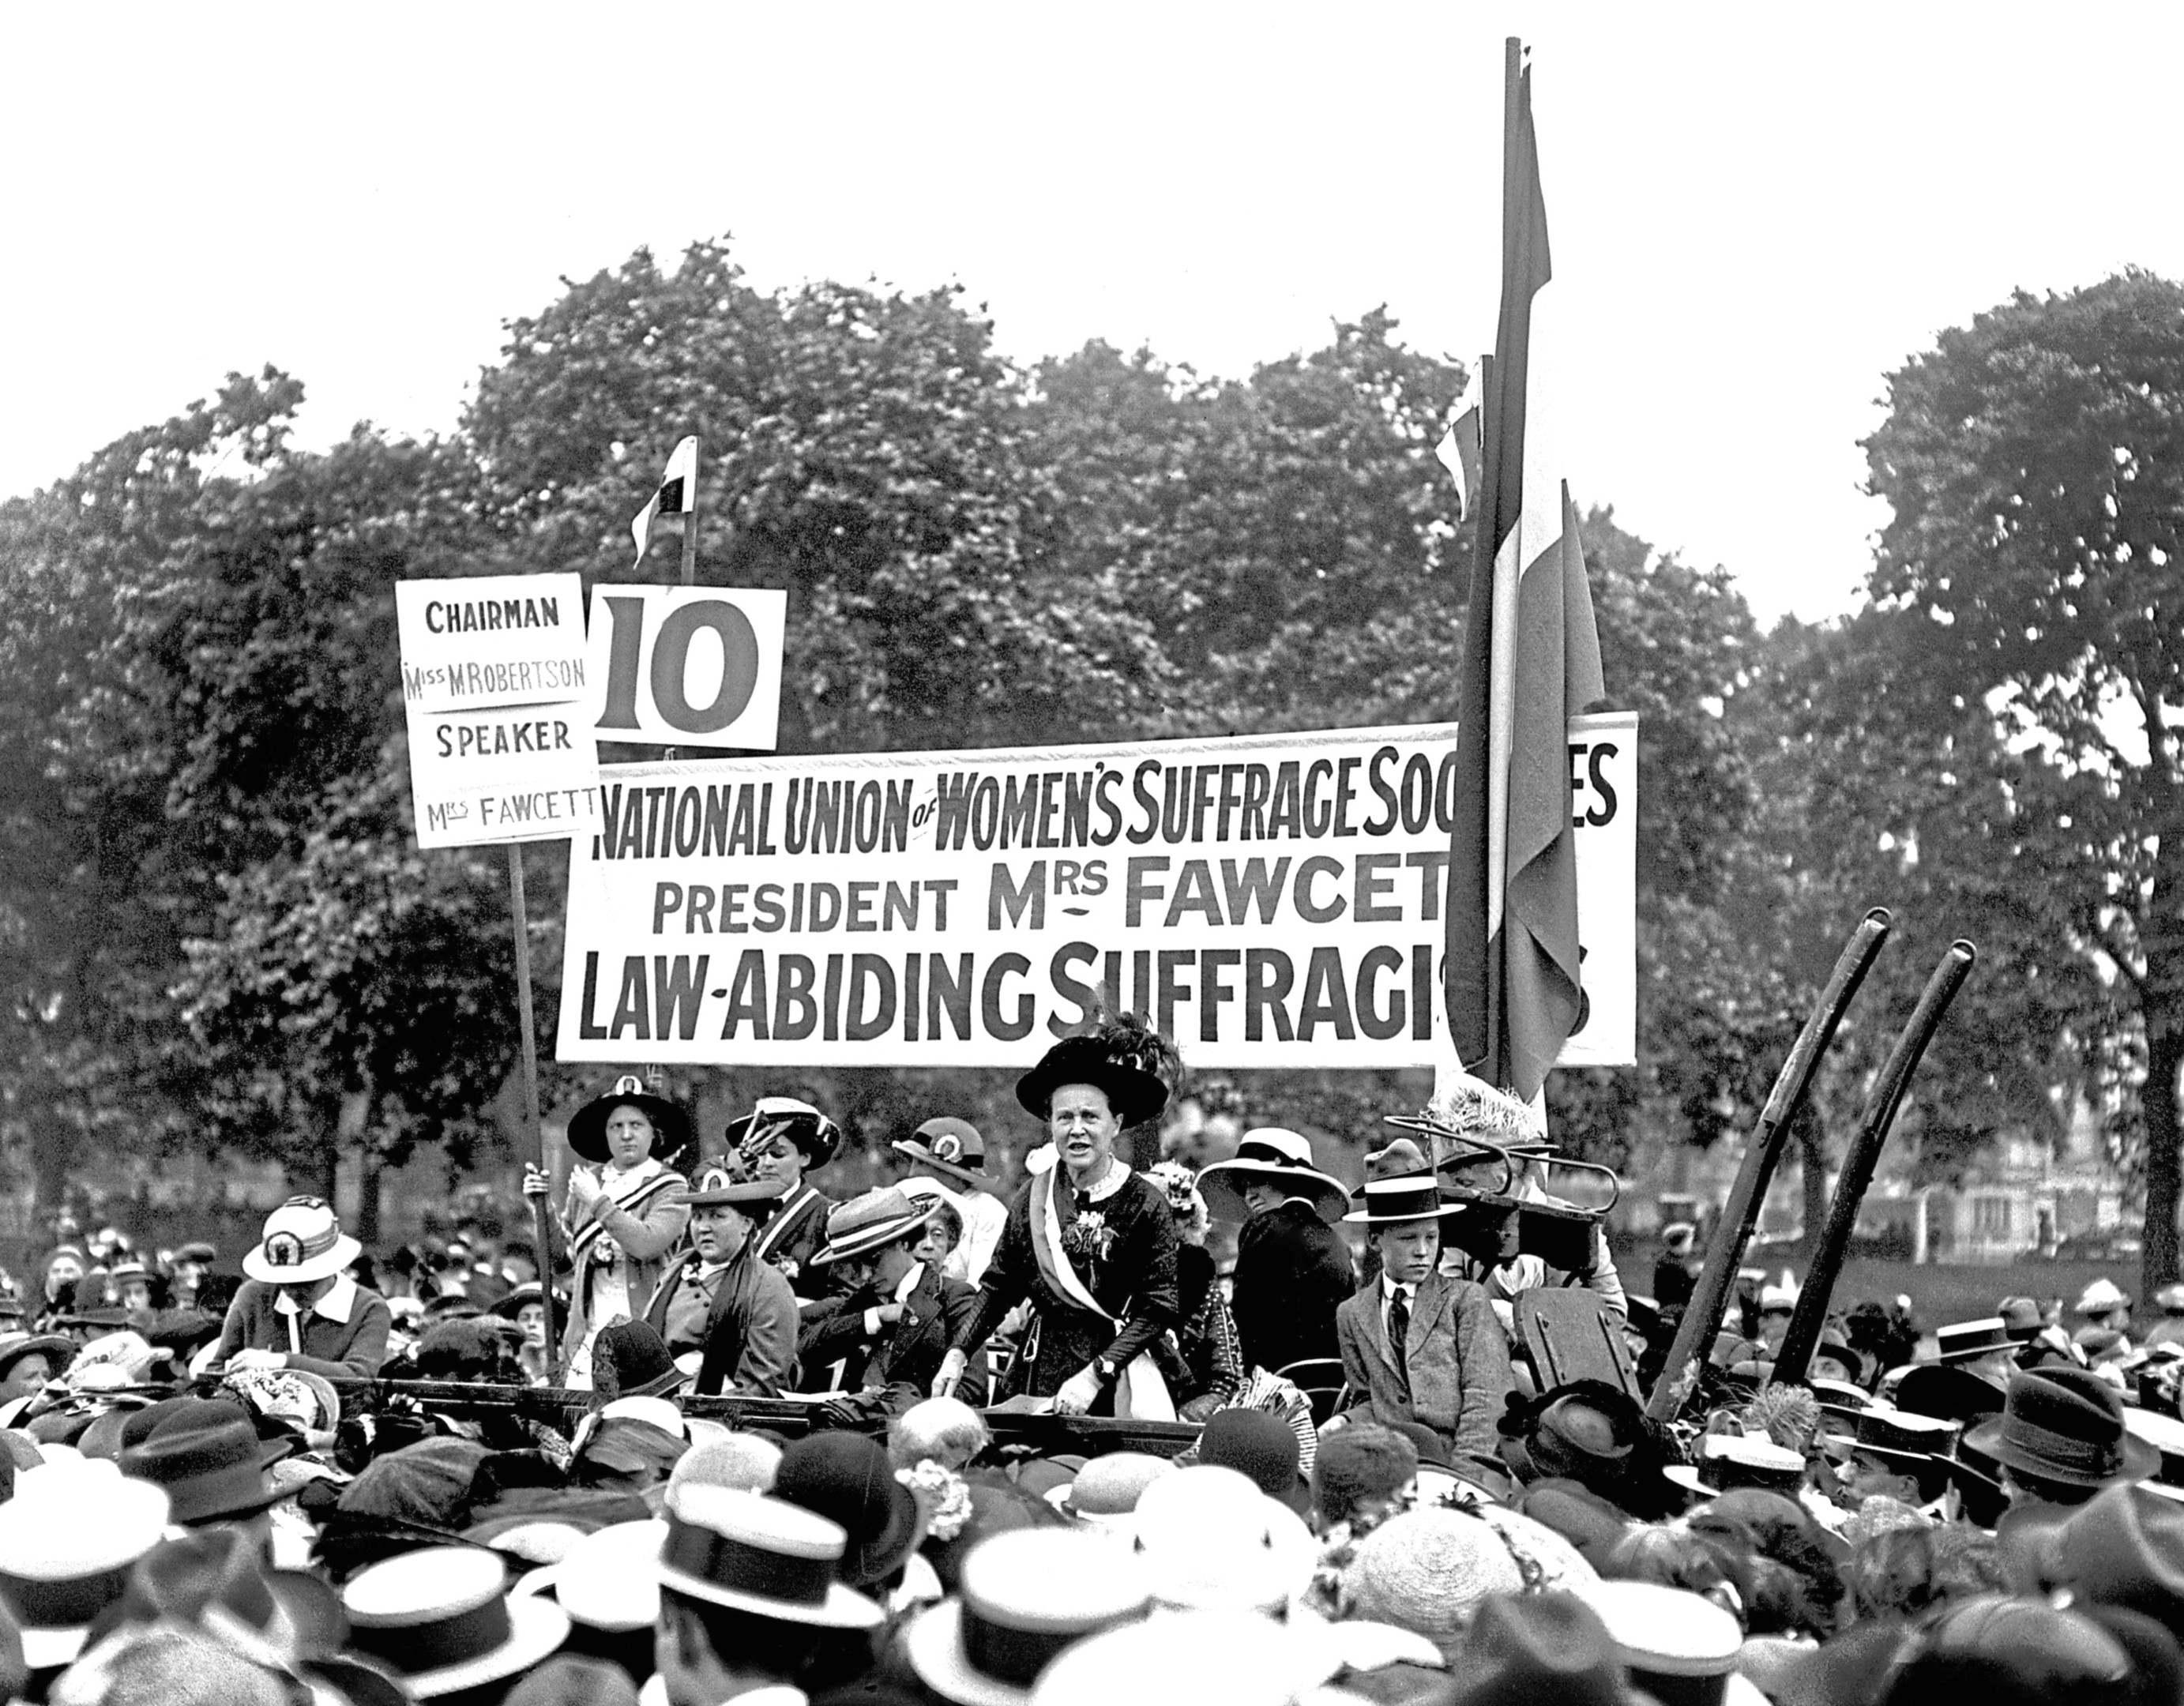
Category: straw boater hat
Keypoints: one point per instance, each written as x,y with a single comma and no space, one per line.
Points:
301,1241
949,1146
2067,1426
441,1619
1273,1156
1024,1595
783,1115
1399,1186
869,1223
1678,1645
57,1347
67,1541
1966,1341
587,1125
1134,1094
753,1553
1897,1436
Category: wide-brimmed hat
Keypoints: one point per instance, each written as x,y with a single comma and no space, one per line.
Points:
212,1473
1900,1436
846,1478
1950,1392
1277,1156
2099,1297
509,1307
67,1540
1529,1650
14,1346
2067,1426
1427,1570
2126,1548
301,1241
1208,1539
1399,1186
783,1115
1134,1094
716,1186
1961,1341
441,1619
671,1121
2165,1434
305,1401
1235,1658
1023,1596
869,1223
949,1146
1670,1638
609,1581
754,1553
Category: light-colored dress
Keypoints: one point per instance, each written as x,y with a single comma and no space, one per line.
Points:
611,1283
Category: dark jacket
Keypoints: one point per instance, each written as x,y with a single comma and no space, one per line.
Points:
1293,1272
1134,1281
903,1356
750,1330
338,1350
792,1235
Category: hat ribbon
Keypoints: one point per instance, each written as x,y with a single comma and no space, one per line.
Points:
1013,1656
286,1249
693,1549
437,1643
67,1603
2065,1451
1265,1155
1403,1199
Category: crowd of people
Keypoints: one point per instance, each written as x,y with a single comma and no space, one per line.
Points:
733,1438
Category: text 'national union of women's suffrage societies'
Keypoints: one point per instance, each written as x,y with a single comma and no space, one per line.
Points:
1256,898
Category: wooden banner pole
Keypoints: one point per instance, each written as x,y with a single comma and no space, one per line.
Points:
541,1212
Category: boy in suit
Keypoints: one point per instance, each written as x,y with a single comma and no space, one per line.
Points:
1418,1346
899,1315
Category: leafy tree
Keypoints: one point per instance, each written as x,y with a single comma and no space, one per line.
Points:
2034,461
868,453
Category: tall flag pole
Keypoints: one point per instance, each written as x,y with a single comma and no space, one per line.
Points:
1531,660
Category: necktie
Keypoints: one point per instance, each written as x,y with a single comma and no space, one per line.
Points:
1399,1331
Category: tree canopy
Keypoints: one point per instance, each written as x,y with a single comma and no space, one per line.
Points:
219,926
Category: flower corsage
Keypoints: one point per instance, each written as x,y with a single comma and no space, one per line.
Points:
942,1495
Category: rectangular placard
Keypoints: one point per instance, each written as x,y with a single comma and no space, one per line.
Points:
500,701
1269,901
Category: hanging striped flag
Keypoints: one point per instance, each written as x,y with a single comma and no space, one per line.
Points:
677,494
1531,662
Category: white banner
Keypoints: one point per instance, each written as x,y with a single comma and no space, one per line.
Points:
1273,900
689,665
494,690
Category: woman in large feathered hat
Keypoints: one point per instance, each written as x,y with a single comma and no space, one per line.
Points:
623,1221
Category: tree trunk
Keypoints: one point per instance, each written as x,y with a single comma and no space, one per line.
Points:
2164,1058
367,1198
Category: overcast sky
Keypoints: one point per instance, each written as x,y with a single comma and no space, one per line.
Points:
1756,213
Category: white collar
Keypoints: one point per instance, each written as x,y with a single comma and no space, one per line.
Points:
1388,1287
1112,1181
337,1305
910,1282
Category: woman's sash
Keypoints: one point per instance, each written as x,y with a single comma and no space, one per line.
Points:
633,1194
1140,1392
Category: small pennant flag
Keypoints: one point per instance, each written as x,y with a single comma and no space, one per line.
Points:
1458,448
677,494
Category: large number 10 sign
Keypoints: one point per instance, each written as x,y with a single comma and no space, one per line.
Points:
682,664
